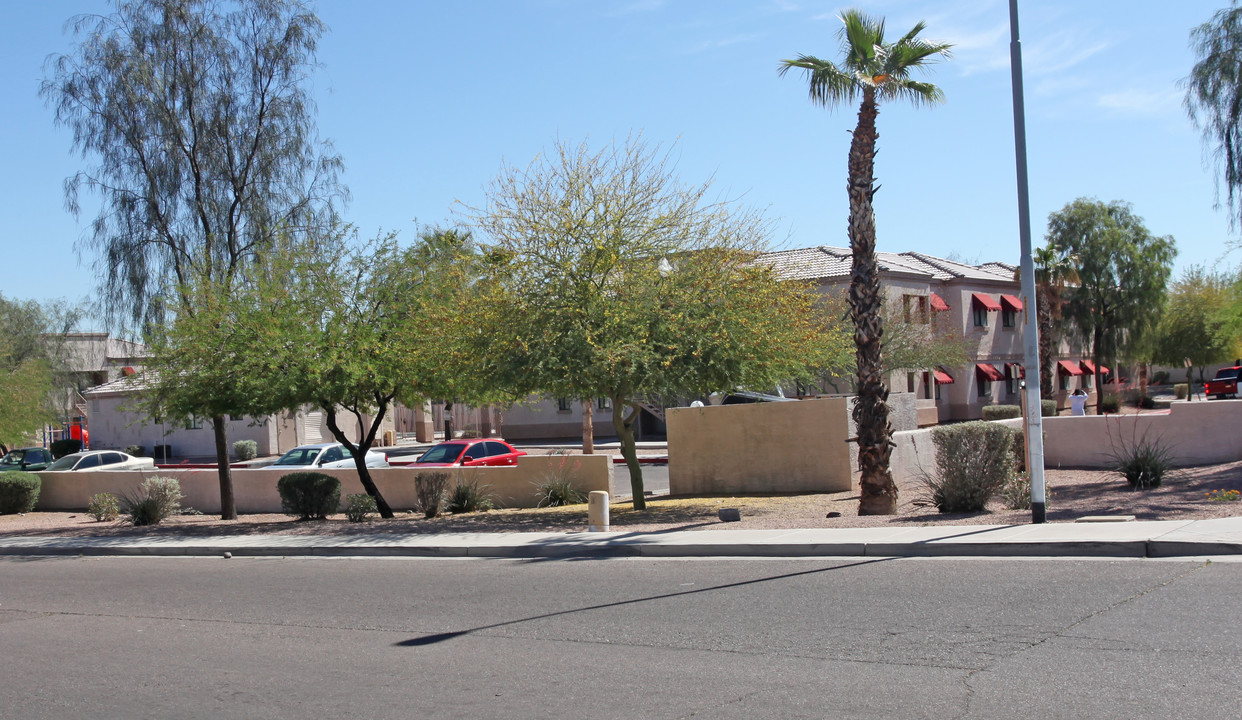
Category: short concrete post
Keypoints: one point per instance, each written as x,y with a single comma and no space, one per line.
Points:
597,511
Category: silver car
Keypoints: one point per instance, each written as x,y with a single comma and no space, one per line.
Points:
327,455
102,460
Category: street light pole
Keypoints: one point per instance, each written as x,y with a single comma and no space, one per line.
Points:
1033,424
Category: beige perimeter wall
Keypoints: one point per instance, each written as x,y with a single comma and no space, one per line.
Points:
255,490
1197,433
780,447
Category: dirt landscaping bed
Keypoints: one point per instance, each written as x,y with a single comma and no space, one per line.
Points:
1074,494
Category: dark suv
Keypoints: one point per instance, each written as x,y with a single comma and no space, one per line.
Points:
26,459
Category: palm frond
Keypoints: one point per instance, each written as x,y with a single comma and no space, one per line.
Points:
829,85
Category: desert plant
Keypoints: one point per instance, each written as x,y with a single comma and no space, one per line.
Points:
157,499
309,495
1143,462
1001,412
1110,403
1224,496
1048,408
1146,402
973,461
429,488
1180,390
468,497
245,449
104,506
135,450
359,506
1016,492
558,491
61,448
19,491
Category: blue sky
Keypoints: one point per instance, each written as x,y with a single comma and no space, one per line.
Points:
426,99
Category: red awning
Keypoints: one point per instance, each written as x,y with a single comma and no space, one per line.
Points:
1066,367
1012,302
985,301
938,303
127,371
988,372
1088,367
1104,369
1015,370
942,377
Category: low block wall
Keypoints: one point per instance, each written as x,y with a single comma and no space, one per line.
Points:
254,491
1197,433
781,447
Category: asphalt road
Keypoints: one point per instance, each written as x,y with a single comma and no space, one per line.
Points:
731,638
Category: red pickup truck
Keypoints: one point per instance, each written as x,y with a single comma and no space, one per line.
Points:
1225,384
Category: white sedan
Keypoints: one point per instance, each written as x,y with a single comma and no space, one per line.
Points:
102,460
327,455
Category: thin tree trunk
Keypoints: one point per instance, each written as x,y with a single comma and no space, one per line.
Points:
228,506
878,492
588,428
1097,336
629,451
360,456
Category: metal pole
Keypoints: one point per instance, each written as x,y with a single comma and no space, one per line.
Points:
1034,415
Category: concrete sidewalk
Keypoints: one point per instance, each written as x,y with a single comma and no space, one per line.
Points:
1170,538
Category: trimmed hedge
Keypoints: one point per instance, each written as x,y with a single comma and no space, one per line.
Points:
245,449
309,495
19,491
973,461
1048,408
1001,412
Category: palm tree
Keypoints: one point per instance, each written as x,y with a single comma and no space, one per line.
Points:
1053,273
875,71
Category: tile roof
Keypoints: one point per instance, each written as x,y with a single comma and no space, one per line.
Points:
826,262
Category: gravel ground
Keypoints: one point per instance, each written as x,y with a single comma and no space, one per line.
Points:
1074,493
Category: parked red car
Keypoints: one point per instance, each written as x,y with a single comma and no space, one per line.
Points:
470,453
1225,384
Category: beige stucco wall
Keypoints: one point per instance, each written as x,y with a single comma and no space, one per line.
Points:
255,490
760,447
1197,433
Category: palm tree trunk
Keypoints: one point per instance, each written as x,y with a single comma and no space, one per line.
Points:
877,491
1046,345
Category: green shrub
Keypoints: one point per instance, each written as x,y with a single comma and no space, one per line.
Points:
19,491
1016,492
157,499
309,495
1144,463
557,492
429,488
359,506
1146,402
61,448
469,497
1048,408
245,449
1160,377
1181,390
1001,412
1110,403
135,450
104,506
973,461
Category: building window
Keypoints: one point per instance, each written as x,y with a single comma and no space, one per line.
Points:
603,404
914,308
1015,382
985,388
1009,318
927,386
911,382
981,316
563,405
1088,379
1065,381
194,422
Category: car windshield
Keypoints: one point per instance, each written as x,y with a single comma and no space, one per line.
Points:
445,453
65,463
299,456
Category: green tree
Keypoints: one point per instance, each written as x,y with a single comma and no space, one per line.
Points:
201,137
873,71
1214,98
611,279
1195,322
1122,272
1053,274
33,365
352,329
